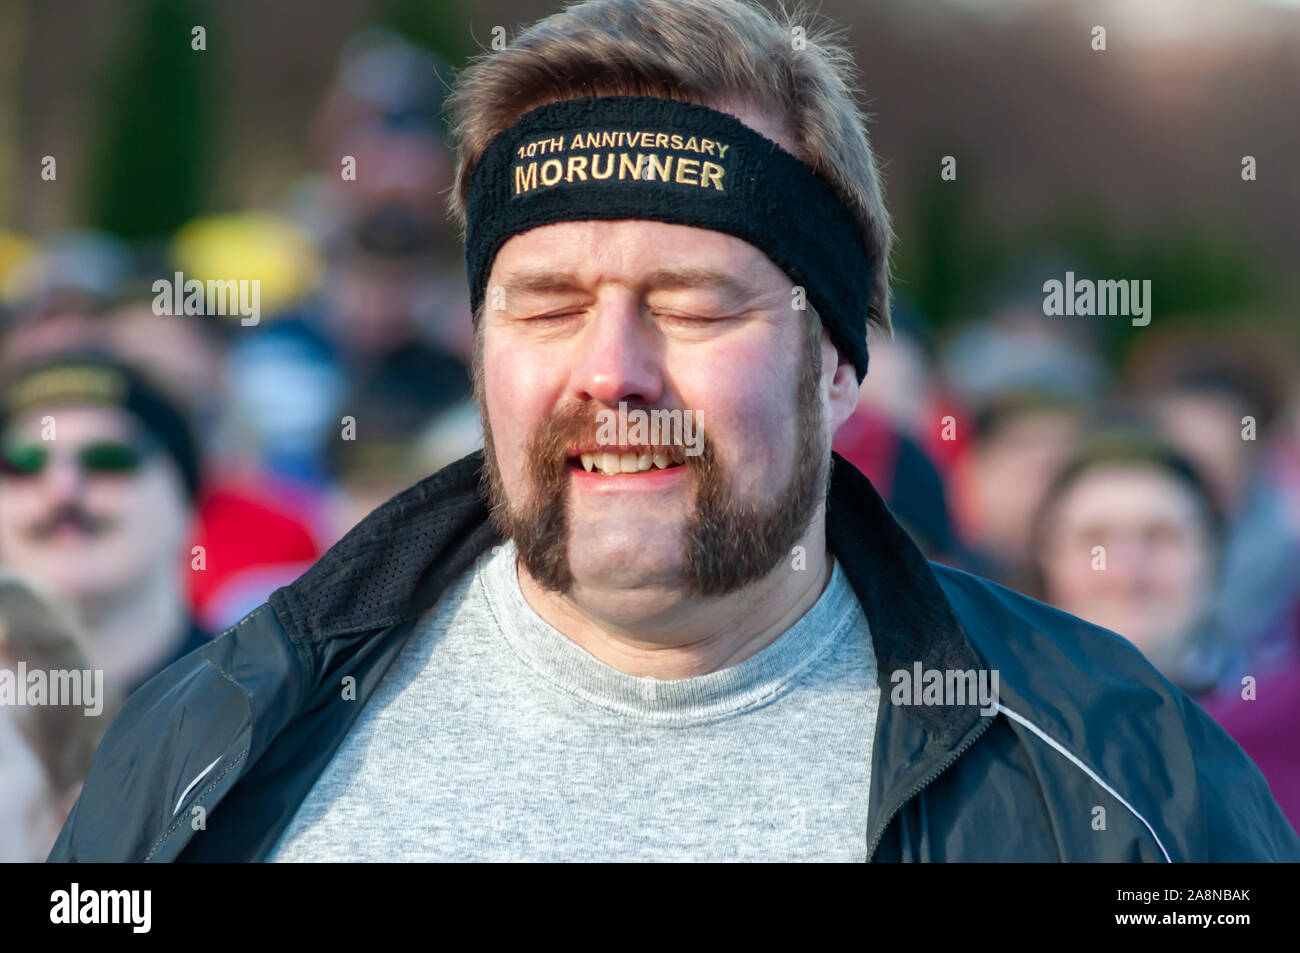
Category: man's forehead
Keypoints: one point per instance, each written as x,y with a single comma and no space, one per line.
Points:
98,420
647,253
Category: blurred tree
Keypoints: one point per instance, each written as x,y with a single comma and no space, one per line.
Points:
152,153
1196,267
953,261
944,262
440,27
13,40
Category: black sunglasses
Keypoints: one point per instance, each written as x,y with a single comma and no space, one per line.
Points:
100,457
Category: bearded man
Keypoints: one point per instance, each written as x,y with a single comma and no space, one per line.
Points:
560,648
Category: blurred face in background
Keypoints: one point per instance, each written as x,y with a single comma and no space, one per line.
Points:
899,383
1012,469
375,301
105,511
180,355
1159,561
1207,428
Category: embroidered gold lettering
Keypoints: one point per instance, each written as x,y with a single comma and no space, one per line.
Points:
711,174
624,162
577,167
557,166
525,177
659,168
683,172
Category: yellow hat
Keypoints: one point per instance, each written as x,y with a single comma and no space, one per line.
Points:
251,245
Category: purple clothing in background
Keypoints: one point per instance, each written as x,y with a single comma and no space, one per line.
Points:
1268,729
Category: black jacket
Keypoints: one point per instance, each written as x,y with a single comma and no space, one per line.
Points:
1092,755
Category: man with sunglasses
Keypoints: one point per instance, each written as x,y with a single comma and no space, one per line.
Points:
98,476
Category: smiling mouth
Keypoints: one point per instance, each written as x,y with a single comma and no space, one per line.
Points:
612,461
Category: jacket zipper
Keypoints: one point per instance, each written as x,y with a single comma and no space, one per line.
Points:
880,832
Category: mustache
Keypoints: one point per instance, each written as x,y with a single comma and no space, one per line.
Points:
539,521
578,424
70,514
560,429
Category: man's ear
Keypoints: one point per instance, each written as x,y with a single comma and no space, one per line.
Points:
843,387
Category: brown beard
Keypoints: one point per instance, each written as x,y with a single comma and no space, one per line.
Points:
727,543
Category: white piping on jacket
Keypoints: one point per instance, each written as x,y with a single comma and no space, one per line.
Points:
1085,769
190,787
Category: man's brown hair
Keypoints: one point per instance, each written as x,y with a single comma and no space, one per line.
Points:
704,51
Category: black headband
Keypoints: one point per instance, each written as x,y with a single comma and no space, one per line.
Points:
92,377
641,157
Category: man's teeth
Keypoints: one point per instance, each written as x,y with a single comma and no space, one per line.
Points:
612,464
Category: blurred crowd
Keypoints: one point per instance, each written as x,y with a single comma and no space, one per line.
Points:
201,461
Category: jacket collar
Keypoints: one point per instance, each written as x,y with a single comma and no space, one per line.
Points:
911,619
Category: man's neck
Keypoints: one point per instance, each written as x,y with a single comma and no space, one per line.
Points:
695,636
130,634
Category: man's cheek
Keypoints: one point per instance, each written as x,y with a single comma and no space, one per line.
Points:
511,444
111,503
750,455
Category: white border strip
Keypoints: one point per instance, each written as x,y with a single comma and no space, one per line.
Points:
190,787
1085,769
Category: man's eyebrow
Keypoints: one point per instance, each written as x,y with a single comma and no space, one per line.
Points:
542,282
705,278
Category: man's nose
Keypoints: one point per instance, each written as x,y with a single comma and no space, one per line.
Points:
63,478
1128,560
620,356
